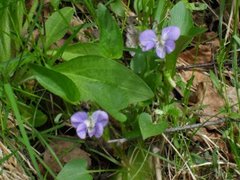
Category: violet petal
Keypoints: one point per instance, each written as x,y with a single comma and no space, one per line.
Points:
98,130
82,130
170,33
100,117
170,46
161,52
77,118
147,40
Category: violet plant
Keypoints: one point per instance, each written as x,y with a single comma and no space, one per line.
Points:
159,44
163,44
90,72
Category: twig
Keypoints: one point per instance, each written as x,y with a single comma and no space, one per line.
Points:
201,65
193,126
182,128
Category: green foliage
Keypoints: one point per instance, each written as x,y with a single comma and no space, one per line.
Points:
57,25
139,63
32,115
83,49
160,11
195,6
118,7
5,45
75,170
110,35
136,91
148,128
138,166
110,44
184,22
215,81
57,83
145,6
95,77
188,31
237,39
24,137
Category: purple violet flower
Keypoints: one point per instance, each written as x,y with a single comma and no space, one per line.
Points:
163,44
92,125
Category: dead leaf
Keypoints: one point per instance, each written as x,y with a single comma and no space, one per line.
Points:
204,95
200,55
81,35
212,102
204,52
131,32
65,151
10,169
203,131
232,97
215,137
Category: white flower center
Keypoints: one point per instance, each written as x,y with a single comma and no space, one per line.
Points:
90,123
160,43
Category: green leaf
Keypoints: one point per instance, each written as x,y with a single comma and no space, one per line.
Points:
149,129
106,82
237,39
234,115
5,39
76,169
215,81
110,34
138,63
181,44
138,167
82,49
9,67
118,8
55,3
110,44
160,11
57,25
181,16
56,83
172,110
197,6
34,116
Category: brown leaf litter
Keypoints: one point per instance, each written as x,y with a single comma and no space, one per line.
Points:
10,169
204,95
65,151
202,53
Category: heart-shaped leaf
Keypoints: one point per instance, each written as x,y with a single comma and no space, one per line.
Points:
107,82
76,169
149,129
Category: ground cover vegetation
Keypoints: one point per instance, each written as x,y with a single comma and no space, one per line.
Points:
119,89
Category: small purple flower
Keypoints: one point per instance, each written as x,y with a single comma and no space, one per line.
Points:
93,125
163,44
